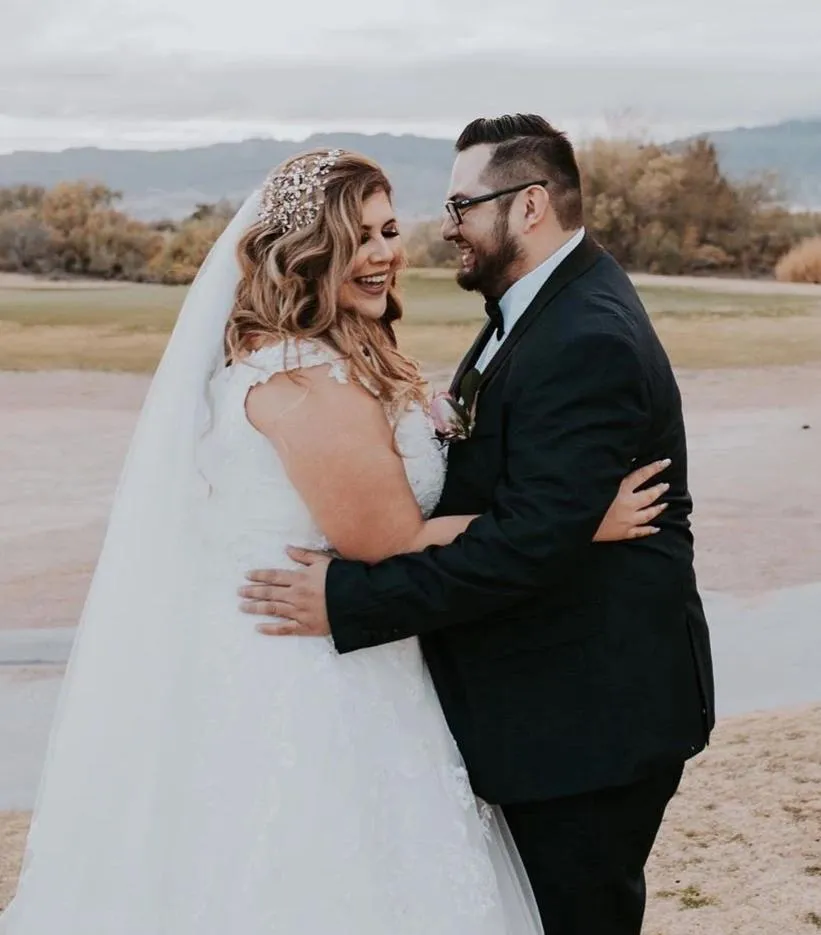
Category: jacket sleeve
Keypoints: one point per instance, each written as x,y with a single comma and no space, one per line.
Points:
573,429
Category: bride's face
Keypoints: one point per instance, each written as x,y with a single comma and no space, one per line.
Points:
378,258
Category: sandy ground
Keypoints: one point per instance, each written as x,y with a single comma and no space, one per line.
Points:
741,848
739,852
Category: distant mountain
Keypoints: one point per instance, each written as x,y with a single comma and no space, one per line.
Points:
792,150
171,183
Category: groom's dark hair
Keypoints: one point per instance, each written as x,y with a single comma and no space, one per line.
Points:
528,147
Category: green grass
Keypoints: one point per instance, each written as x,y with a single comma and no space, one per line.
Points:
671,301
692,898
689,898
130,307
123,326
431,298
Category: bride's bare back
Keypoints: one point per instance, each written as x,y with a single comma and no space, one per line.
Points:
337,445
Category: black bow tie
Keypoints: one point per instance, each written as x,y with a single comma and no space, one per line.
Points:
497,319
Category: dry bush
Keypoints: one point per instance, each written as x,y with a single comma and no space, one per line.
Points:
25,242
656,208
802,263
668,210
183,251
21,196
72,229
664,210
425,247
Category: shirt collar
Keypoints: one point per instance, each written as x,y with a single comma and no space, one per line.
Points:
518,297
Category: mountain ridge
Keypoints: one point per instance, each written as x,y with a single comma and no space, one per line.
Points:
791,149
172,182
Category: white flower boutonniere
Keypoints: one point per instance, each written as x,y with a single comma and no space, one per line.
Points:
451,419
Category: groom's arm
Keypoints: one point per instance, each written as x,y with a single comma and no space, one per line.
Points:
572,432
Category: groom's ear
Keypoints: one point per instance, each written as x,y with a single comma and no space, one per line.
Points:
537,207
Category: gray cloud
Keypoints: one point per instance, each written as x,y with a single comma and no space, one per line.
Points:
93,69
432,89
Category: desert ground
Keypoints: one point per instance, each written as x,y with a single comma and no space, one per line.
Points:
740,850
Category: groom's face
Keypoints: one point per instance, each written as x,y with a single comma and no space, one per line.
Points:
487,249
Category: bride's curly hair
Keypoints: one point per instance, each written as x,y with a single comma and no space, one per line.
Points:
290,284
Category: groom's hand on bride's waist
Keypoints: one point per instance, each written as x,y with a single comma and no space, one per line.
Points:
296,597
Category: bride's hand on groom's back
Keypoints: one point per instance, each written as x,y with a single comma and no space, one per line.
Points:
633,510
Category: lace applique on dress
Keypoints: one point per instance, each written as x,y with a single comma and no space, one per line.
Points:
296,354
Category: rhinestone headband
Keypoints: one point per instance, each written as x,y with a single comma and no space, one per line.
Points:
291,200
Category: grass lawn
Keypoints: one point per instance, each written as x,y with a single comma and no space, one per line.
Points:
125,326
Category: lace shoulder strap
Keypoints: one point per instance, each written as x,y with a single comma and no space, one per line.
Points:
295,354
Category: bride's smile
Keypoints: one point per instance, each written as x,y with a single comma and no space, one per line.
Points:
376,262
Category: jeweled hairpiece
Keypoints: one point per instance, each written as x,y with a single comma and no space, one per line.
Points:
291,200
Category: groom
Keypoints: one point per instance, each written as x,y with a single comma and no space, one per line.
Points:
576,678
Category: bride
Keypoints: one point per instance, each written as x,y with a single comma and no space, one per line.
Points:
203,779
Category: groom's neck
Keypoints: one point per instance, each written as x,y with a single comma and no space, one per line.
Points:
536,253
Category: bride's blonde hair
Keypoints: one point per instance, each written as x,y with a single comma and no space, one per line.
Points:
290,281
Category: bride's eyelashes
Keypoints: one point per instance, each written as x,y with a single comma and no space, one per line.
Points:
388,234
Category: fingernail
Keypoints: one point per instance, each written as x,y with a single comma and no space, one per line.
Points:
666,462
665,487
654,530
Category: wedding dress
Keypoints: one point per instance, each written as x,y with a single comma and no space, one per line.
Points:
205,779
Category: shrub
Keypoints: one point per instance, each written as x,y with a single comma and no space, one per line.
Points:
25,242
660,209
802,263
183,250
426,248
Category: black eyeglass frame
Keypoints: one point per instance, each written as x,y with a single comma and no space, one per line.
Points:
455,206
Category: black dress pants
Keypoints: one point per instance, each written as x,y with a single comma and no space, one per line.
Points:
585,854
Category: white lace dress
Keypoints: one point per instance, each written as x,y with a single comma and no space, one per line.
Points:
332,784
299,792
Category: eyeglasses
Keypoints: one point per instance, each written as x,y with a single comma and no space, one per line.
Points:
455,206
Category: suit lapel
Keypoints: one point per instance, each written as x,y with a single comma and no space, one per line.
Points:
574,265
470,358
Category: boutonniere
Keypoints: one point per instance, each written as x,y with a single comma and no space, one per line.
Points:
451,420
454,419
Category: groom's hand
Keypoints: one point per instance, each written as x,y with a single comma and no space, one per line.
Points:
297,597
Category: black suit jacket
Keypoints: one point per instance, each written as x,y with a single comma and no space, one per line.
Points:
563,666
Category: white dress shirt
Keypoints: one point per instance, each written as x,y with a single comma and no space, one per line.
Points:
515,301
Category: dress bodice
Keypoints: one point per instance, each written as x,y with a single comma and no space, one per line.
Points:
253,510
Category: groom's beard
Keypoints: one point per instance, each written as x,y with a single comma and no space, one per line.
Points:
491,271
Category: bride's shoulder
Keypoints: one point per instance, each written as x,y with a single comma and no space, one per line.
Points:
291,355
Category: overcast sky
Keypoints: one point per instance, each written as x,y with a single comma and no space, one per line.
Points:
156,73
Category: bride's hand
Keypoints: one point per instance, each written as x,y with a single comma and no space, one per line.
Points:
633,510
